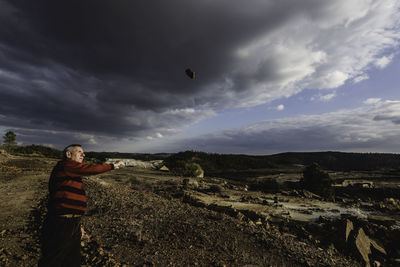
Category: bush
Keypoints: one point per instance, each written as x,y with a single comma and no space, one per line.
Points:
186,168
315,179
37,150
267,186
193,169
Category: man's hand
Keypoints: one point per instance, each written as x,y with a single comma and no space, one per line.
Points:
119,164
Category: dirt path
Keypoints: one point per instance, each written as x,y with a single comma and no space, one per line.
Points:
19,197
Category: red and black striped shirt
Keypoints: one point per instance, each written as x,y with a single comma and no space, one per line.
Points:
67,193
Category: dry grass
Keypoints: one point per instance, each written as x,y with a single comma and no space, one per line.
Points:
16,166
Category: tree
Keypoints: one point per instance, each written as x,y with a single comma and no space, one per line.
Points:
316,179
9,140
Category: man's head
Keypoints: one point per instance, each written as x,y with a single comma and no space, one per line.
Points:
74,152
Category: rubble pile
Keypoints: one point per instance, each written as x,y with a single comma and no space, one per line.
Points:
143,228
150,218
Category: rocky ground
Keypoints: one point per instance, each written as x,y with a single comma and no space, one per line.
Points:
139,217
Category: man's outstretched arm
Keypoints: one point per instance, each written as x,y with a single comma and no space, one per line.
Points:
88,169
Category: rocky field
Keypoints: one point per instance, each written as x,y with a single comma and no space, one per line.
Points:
139,217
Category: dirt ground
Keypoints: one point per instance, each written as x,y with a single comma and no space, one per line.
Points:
147,218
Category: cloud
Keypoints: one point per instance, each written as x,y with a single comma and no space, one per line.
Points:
360,78
156,135
375,128
383,61
391,114
323,98
116,69
372,101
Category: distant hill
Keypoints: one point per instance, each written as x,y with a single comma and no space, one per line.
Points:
340,160
38,150
211,162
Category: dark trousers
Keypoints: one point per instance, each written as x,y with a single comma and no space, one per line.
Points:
61,242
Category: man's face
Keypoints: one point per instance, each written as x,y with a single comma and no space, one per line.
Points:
76,153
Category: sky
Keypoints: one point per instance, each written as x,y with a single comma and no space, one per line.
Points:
271,76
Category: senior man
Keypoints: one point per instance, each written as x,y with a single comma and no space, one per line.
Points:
62,231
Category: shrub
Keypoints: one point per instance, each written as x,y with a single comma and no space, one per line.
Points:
269,185
193,169
315,179
186,168
37,150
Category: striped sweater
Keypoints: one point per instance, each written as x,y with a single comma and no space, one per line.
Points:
67,193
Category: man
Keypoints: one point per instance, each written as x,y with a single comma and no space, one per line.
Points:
62,232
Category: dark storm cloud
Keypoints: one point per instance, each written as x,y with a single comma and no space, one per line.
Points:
90,65
116,68
148,44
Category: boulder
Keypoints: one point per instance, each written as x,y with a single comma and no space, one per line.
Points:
349,228
391,201
363,244
164,168
377,247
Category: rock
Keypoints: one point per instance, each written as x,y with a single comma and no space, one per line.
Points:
289,235
240,216
383,220
349,228
391,201
332,249
377,247
164,168
294,193
285,193
275,219
363,245
190,183
215,188
309,194
265,202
